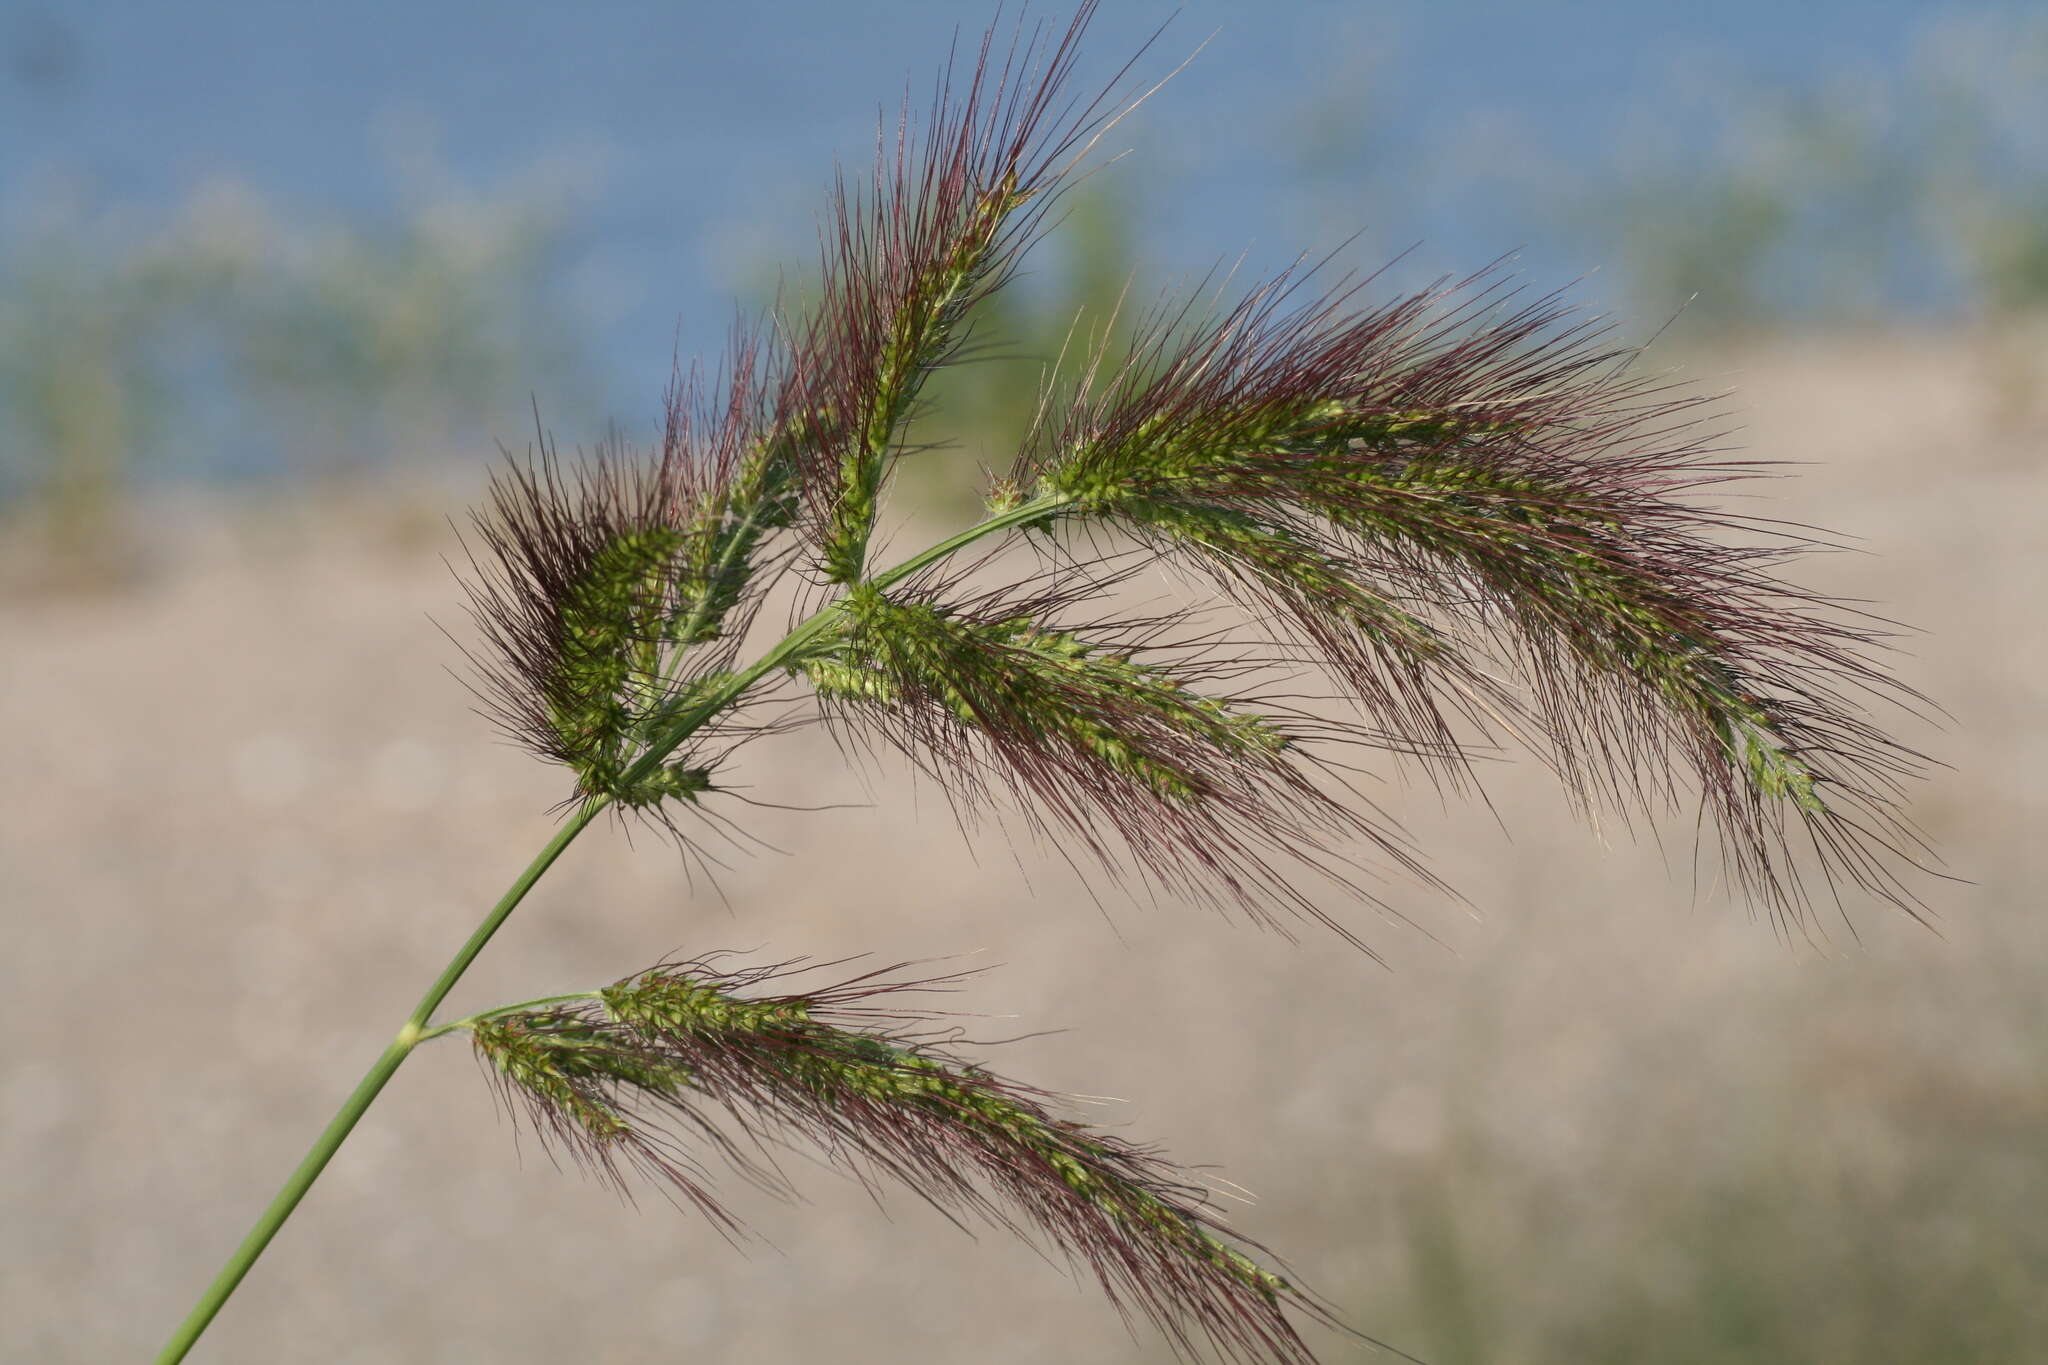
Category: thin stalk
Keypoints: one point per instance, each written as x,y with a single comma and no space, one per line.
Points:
790,648
471,1021
417,1027
359,1100
1042,508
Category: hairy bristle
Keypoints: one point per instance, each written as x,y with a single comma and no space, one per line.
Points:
615,587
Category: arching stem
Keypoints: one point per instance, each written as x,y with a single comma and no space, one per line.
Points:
359,1100
418,1027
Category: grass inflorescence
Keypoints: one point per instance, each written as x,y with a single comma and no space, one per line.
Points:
1448,495
685,1056
1425,525
1465,512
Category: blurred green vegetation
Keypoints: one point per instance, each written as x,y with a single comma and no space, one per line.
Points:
234,342
231,342
1738,1265
1909,196
1849,199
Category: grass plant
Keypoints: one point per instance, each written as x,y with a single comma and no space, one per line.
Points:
1459,516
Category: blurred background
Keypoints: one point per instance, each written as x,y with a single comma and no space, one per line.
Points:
276,282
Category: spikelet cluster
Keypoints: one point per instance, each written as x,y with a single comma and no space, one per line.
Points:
613,590
1465,512
1127,737
1461,516
942,223
687,1056
1476,517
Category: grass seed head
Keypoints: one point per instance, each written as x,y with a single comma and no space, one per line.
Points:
688,1050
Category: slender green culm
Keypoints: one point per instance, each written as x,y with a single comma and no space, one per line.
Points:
1448,522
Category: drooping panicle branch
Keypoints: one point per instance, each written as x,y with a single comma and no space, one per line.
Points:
1429,490
688,1051
1139,747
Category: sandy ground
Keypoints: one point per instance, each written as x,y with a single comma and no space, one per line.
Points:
247,814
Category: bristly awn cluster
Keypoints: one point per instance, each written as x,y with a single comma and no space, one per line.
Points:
1460,511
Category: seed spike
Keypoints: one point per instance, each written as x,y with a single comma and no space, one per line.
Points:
1430,493
686,1049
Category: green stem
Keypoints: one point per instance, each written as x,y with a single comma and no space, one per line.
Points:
359,1100
1044,507
502,911
417,1027
471,1021
790,648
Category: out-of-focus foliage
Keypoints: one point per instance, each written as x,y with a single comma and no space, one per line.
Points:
232,340
1850,198
1915,192
73,394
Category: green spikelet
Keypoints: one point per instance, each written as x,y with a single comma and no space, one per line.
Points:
1273,556
1381,431
1565,558
612,626
726,535
1021,681
840,679
658,1003
926,326
1774,772
840,1063
572,1068
647,594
